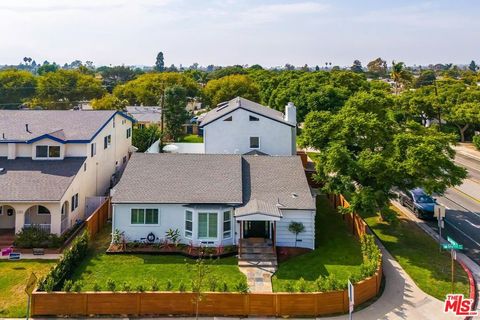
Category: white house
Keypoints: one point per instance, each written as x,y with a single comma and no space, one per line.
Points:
52,160
214,199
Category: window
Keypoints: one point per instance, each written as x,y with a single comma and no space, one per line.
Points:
252,118
188,224
42,210
48,151
93,149
144,216
227,225
129,132
228,119
207,225
107,141
254,142
1,212
74,203
114,122
85,166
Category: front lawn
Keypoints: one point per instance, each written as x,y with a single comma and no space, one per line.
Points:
13,278
337,253
168,271
419,255
192,138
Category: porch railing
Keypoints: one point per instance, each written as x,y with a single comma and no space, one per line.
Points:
64,225
44,227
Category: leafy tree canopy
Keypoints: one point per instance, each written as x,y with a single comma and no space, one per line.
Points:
109,102
229,87
16,87
175,112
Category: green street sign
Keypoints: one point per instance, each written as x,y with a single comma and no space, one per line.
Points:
449,246
452,241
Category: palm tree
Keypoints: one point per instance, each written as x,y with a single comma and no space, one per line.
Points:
398,74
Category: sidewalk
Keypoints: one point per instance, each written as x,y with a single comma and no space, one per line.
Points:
468,150
30,256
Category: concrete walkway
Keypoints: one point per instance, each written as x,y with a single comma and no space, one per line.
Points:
259,279
30,256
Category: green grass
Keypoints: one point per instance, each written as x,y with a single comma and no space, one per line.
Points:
337,252
192,138
13,278
419,255
142,269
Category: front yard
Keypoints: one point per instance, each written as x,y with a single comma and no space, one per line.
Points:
337,254
168,272
13,278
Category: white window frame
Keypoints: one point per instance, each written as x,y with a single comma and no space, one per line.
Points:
229,222
74,204
144,210
129,132
42,213
107,141
208,213
48,151
93,150
188,233
250,143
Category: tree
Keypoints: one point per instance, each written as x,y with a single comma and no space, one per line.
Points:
113,76
463,116
63,89
16,87
109,102
399,75
159,63
144,137
200,272
47,67
364,152
229,87
426,78
175,111
296,228
473,66
357,66
378,67
226,71
147,89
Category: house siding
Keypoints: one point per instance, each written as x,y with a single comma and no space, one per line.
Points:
227,137
287,239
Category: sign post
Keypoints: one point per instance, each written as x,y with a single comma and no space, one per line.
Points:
31,283
351,299
439,213
453,253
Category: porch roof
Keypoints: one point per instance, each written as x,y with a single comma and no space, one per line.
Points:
258,207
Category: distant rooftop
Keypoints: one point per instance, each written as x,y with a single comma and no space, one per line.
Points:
63,125
150,114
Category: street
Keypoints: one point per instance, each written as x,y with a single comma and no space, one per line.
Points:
462,203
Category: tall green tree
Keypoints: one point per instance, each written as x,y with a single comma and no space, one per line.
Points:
229,87
357,66
378,67
159,62
400,75
109,102
144,137
426,78
16,87
473,66
464,115
175,111
113,76
364,152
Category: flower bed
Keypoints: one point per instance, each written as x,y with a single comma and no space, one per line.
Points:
189,251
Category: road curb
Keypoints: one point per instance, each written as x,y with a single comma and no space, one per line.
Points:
473,291
467,154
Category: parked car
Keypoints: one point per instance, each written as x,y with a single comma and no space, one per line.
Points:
417,200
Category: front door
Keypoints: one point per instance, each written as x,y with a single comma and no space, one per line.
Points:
256,229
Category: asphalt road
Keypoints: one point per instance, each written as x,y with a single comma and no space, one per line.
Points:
462,218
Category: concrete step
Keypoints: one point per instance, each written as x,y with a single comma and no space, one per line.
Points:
258,257
256,263
268,250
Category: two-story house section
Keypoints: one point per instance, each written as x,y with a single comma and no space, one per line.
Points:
52,160
241,126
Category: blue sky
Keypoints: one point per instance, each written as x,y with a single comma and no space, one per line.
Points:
271,32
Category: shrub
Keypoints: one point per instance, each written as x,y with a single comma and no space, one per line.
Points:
70,260
224,287
126,287
77,286
67,286
140,288
289,287
302,285
476,141
241,287
329,283
155,286
212,283
35,237
49,285
169,285
96,287
182,287
111,285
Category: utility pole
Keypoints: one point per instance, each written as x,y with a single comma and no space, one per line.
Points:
438,105
162,103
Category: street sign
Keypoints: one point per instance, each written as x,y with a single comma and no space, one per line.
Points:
454,254
449,246
351,299
31,283
439,211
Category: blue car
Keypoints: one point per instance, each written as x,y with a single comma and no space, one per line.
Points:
419,202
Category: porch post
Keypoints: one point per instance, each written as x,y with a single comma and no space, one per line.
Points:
240,239
274,235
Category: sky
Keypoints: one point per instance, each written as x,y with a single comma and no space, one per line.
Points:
227,32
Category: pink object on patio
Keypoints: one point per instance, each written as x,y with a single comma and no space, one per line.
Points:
7,251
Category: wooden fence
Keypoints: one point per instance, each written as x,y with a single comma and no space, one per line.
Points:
98,218
354,222
212,304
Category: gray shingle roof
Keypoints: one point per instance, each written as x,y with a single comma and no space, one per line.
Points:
24,179
258,207
242,103
62,124
151,114
214,178
180,178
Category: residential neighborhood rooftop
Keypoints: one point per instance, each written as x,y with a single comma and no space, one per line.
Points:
36,180
149,114
64,125
242,103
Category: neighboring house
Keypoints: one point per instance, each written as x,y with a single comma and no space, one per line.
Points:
52,160
241,126
214,199
145,116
